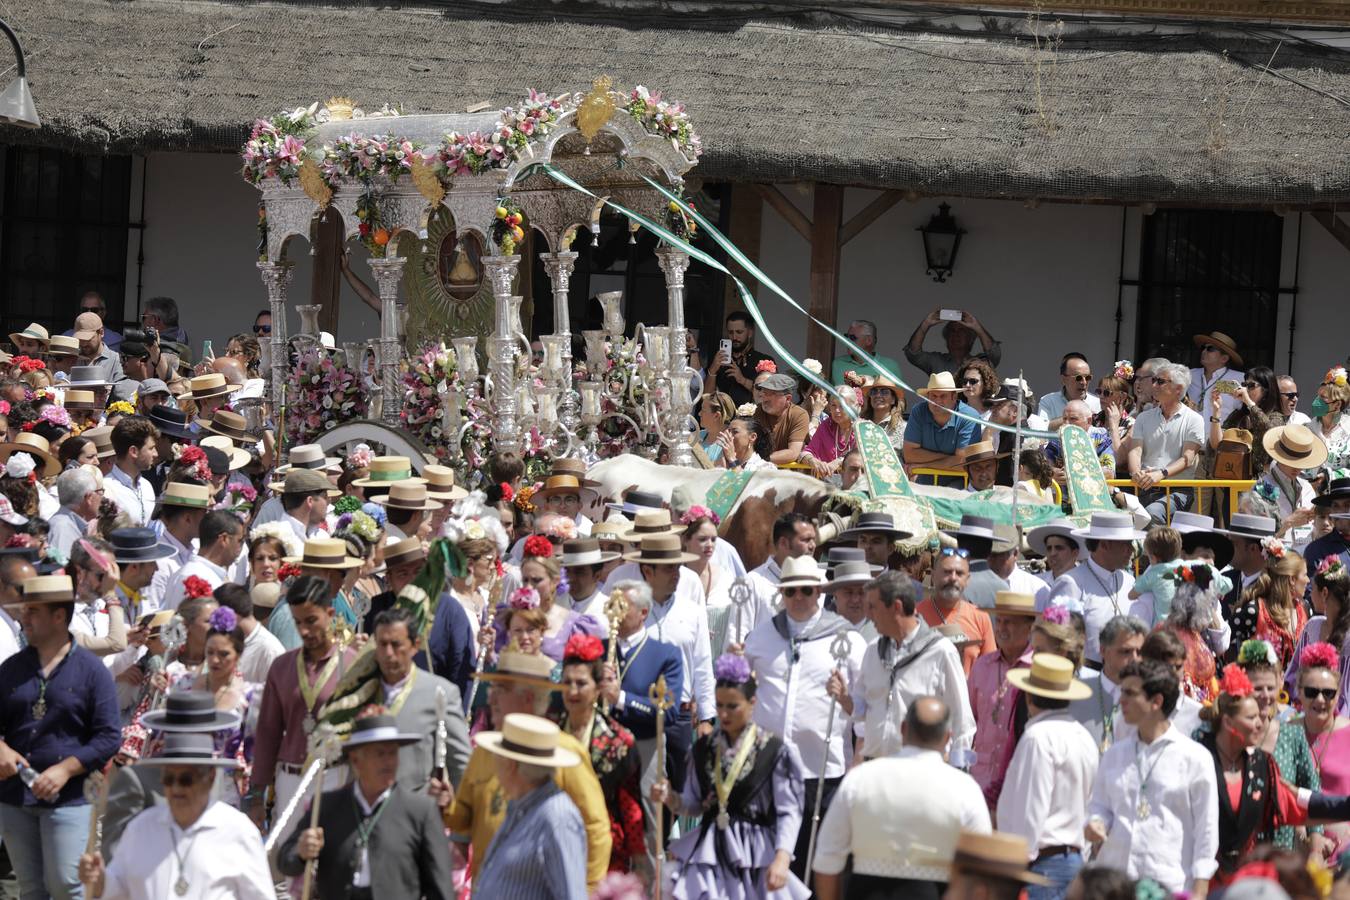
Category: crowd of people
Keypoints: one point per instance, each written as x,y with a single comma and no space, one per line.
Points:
234,669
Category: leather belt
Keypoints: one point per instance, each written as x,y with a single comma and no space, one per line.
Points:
1057,850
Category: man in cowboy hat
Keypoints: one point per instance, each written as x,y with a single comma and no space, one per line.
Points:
792,656
899,855
1013,614
935,434
59,720
441,487
229,858
1218,357
172,425
135,441
1049,781
1075,377
947,605
521,684
407,504
848,596
1292,449
584,561
421,703
980,460
93,351
1150,820
31,342
1165,443
208,392
990,867
537,850
375,834
299,683
876,534
219,542
1099,586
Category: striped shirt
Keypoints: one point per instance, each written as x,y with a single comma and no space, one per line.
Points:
538,853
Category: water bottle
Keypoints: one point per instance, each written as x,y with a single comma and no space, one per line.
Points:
28,775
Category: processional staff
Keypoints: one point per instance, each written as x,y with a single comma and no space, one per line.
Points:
96,795
839,649
616,608
740,596
662,700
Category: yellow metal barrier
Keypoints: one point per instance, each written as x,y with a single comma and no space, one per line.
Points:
1236,486
919,471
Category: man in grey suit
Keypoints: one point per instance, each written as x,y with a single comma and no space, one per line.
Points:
422,704
1122,639
374,830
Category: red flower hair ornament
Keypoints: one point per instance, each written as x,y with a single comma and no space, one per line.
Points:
1235,682
194,587
1320,655
583,648
538,545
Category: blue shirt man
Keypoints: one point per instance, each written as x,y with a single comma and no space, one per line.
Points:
935,434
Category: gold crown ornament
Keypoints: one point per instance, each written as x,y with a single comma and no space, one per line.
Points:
340,108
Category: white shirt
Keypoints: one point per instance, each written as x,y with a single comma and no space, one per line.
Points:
1052,404
1178,842
939,802
727,558
136,499
153,594
1202,387
260,649
1185,719
1049,783
222,854
791,700
1099,595
9,635
1298,418
1023,582
200,566
880,707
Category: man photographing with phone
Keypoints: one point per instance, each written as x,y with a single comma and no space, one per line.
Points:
960,334
732,370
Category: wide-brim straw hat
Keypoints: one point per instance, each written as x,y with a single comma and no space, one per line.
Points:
1104,526
237,456
63,345
533,669
980,451
230,424
324,553
179,493
1222,341
78,398
585,552
408,550
208,386
305,481
266,594
851,573
384,471
1050,676
46,589
1014,603
563,484
570,465
441,483
1295,446
873,523
34,332
938,381
610,532
528,739
189,749
378,730
36,446
102,438
649,522
801,571
660,550
408,496
190,712
996,854
307,456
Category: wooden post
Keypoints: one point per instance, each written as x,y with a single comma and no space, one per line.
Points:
826,220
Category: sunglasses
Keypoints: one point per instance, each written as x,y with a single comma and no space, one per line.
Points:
1210,348
1250,384
794,591
183,779
1087,377
262,329
1289,395
955,551
970,381
1327,694
1157,380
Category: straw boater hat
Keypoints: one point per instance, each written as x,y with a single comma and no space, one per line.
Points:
1223,342
980,451
563,484
189,749
1295,446
1050,676
378,730
208,386
81,399
1104,526
995,854
1012,603
585,552
528,739
36,446
408,495
1198,531
610,532
441,483
532,669
102,438
88,377
850,573
190,712
801,571
305,481
650,522
1253,528
408,550
660,550
265,594
386,470
46,589
324,553
238,458
230,424
872,523
63,345
938,381
34,332
1058,528
178,493
307,456
138,545
570,465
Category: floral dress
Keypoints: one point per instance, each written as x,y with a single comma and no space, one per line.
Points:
614,758
1199,680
